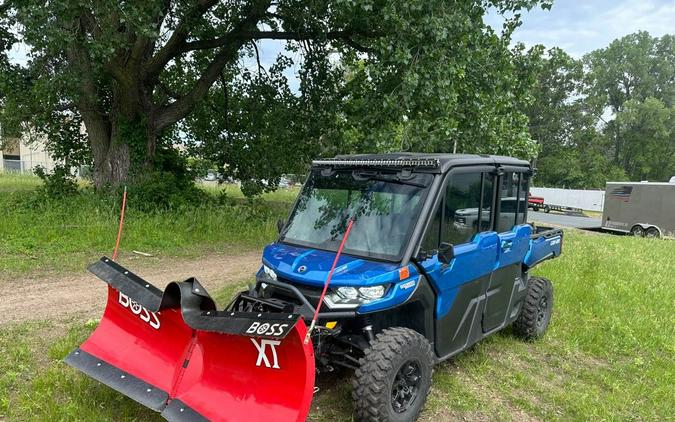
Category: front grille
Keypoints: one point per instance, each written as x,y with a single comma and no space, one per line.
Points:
310,292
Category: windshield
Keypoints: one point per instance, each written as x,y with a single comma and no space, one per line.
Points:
385,208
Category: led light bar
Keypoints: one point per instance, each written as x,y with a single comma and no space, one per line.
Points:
403,162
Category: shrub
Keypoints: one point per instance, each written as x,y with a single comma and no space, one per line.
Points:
58,183
161,190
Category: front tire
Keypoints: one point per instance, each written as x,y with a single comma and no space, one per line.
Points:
535,313
394,377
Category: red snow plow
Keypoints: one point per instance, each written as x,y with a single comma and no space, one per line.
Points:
172,351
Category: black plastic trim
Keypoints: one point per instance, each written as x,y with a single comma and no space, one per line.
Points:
176,410
127,384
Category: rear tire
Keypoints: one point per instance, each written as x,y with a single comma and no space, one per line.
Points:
547,209
535,313
394,377
652,232
637,231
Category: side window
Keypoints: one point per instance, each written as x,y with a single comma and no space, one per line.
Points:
485,220
513,201
431,239
461,211
522,199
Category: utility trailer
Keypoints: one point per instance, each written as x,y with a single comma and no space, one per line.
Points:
437,256
640,208
537,202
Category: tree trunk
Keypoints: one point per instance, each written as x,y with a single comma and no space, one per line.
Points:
112,159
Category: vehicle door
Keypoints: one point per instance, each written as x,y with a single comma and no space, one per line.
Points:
463,219
507,287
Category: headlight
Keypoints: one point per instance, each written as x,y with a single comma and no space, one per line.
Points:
270,272
372,293
348,292
351,297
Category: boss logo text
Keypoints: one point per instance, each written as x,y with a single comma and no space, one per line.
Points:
149,317
265,329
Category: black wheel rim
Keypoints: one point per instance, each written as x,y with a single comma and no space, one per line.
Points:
542,310
406,386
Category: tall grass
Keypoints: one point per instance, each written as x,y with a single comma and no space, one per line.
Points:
42,234
12,182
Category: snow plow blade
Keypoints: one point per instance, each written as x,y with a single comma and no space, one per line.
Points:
173,352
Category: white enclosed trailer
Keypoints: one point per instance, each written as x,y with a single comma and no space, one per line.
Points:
640,208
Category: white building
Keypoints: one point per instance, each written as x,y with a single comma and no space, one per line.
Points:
23,154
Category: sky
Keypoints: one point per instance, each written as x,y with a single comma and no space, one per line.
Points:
576,26
580,27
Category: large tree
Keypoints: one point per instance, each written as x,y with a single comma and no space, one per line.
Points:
632,68
605,117
647,130
371,75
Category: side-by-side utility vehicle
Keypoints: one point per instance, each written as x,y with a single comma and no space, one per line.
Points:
416,256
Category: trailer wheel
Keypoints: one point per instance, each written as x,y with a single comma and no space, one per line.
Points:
535,313
652,232
637,231
547,209
394,377
535,208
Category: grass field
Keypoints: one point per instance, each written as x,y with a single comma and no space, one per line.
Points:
608,354
40,236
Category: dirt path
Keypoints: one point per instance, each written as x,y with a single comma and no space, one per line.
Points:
83,295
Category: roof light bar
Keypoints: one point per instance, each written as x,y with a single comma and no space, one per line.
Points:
404,162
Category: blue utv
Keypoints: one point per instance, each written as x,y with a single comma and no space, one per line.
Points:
439,257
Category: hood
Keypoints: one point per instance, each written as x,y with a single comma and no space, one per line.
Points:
311,266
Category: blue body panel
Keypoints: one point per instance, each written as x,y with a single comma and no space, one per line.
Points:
485,254
543,248
288,260
472,260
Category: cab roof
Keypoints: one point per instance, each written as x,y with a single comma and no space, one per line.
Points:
427,162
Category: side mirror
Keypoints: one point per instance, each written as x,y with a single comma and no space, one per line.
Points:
281,224
446,253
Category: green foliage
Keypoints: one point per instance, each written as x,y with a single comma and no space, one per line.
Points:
647,131
163,190
60,183
635,67
633,79
376,76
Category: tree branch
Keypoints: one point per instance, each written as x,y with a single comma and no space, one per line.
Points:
177,39
344,36
180,108
257,58
168,91
89,23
